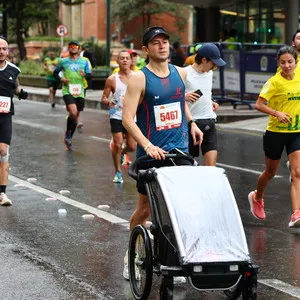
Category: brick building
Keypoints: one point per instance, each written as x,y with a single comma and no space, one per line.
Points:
89,19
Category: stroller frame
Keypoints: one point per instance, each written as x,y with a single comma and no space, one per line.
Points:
161,256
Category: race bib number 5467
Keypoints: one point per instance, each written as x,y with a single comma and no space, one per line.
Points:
167,116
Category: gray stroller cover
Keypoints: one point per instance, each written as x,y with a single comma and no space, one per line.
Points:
204,214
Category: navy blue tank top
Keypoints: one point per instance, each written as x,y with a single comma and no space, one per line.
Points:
161,115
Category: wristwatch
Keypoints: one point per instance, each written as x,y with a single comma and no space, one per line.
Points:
191,121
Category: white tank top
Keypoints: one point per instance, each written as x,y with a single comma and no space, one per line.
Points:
202,108
116,111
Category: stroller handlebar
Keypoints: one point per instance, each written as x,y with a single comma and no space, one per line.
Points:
134,168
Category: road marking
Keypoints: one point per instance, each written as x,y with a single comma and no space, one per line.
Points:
282,287
243,169
95,211
39,126
247,131
96,138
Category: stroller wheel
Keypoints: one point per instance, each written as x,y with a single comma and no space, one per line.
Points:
140,263
250,288
234,293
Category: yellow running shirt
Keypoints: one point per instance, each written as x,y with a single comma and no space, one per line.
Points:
283,95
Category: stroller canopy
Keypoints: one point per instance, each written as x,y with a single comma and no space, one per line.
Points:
204,214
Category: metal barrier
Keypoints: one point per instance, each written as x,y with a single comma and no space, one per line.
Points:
248,67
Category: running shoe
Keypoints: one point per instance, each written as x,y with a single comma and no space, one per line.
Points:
295,219
53,104
125,160
256,206
289,167
80,127
4,201
125,270
118,177
68,141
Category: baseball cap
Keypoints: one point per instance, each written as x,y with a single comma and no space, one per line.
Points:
74,43
211,51
151,32
132,52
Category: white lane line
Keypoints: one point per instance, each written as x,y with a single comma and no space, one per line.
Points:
243,169
97,212
39,126
97,138
282,287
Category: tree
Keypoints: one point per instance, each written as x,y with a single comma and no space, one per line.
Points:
124,11
23,14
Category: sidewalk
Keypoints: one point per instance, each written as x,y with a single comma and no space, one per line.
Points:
240,118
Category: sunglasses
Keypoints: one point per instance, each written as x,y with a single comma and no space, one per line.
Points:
73,47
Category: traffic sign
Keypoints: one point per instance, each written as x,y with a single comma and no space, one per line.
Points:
62,30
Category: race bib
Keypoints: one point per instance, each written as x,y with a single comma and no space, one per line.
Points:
51,68
75,89
5,103
167,116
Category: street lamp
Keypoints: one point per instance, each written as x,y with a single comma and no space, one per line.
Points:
108,33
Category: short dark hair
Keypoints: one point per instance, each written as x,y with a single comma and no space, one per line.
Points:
294,35
198,59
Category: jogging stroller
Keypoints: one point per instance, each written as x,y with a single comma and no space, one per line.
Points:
197,233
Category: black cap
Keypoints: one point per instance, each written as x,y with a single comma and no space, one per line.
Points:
151,32
212,52
74,43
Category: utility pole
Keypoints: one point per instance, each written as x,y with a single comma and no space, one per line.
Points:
4,19
108,34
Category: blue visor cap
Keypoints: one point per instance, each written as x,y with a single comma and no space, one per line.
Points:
212,52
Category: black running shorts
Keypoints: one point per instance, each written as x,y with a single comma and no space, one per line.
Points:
209,143
275,142
69,99
5,128
117,126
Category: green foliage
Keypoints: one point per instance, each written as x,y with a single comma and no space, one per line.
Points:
45,51
97,48
32,67
124,11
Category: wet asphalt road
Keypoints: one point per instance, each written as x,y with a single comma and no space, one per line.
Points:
53,256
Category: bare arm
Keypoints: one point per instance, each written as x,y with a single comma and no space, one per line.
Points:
132,98
109,87
20,92
281,116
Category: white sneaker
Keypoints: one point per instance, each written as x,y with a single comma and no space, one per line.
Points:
125,270
4,201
